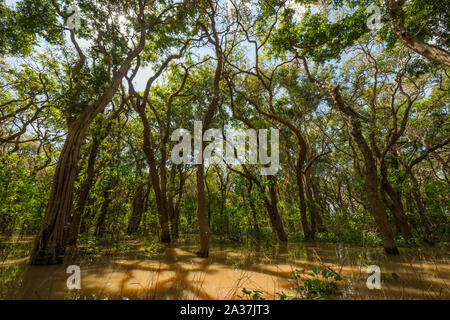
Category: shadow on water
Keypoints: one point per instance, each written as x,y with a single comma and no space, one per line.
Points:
176,273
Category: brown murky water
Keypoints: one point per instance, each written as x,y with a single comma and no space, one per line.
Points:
174,272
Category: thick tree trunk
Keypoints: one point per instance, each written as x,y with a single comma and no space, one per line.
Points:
83,194
49,246
371,187
303,209
208,117
313,208
161,200
276,223
203,224
139,200
377,209
320,202
163,215
397,210
395,205
370,172
274,215
391,208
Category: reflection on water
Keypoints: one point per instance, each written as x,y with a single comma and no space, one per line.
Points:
176,273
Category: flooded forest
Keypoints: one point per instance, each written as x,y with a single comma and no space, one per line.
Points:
224,149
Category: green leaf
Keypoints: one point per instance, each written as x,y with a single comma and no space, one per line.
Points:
395,276
246,291
316,270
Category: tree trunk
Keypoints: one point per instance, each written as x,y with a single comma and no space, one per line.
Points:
303,212
274,215
207,120
320,202
161,200
139,199
163,215
370,171
49,246
397,210
371,187
203,225
83,194
396,206
377,209
313,208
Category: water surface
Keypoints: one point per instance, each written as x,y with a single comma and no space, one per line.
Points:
133,270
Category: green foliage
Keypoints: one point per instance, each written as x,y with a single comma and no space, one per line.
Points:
154,248
251,295
314,285
22,25
22,197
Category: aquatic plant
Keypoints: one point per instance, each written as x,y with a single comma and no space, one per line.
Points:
314,285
